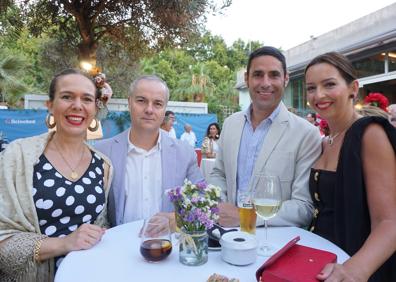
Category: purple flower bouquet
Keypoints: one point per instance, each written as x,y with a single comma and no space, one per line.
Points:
196,210
196,205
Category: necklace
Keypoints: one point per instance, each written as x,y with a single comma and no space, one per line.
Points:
331,138
73,174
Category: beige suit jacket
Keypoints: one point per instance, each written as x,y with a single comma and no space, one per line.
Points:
289,150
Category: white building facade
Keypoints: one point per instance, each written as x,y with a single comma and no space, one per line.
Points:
34,101
370,44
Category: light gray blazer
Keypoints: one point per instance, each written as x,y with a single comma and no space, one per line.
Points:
179,161
289,150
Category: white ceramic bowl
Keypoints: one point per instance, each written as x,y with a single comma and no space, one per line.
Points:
238,248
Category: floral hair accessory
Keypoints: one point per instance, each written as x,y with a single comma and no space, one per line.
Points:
378,100
105,93
196,205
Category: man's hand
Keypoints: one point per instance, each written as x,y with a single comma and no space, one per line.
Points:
229,215
172,219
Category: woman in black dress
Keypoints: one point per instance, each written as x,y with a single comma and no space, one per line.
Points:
353,182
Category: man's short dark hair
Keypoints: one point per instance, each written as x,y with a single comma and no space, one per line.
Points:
167,113
267,51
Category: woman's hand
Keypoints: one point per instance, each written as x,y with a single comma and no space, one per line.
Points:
172,219
85,237
211,155
333,272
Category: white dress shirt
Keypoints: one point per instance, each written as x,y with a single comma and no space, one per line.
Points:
190,138
172,133
143,181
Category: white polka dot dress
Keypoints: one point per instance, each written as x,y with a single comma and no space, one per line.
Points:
61,205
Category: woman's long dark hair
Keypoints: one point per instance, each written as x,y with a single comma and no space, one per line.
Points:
218,130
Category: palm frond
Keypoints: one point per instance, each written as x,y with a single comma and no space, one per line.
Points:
11,65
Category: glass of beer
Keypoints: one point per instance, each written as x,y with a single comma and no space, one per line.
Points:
156,242
267,199
247,213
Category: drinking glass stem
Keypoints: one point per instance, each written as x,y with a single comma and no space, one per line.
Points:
266,232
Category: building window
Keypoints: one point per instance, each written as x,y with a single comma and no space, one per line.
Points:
298,94
392,61
370,66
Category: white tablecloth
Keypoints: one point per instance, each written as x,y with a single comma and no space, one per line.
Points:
206,167
117,258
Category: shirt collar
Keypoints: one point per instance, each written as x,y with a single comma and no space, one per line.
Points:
248,114
132,147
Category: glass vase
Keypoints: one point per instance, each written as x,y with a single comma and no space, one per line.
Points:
193,247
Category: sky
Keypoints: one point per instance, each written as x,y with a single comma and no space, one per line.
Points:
286,24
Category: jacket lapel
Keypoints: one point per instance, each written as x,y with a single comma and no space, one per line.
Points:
169,167
119,151
235,140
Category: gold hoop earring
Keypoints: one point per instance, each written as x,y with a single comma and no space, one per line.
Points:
48,121
94,128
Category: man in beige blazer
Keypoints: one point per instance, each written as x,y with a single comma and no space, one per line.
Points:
267,138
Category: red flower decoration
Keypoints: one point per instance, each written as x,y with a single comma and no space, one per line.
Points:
377,100
324,127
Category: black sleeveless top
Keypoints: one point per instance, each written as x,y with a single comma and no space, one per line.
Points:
346,221
62,205
321,188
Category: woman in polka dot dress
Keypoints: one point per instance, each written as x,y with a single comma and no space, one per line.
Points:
53,187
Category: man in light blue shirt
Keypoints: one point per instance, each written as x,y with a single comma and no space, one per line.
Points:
251,142
267,139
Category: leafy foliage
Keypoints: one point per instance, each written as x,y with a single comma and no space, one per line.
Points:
137,25
126,37
203,71
11,88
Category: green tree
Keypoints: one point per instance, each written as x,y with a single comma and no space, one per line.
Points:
202,70
11,87
195,85
137,25
238,53
16,41
208,47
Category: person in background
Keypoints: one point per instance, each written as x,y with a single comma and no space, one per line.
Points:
268,139
353,182
189,135
3,141
54,187
293,110
311,117
392,112
368,110
147,161
209,144
166,125
172,118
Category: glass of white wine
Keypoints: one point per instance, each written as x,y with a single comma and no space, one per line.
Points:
267,199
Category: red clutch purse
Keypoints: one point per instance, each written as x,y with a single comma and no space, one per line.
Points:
295,263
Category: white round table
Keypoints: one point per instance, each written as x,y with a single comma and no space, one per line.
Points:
117,258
